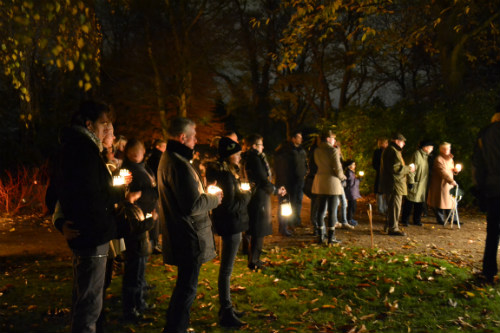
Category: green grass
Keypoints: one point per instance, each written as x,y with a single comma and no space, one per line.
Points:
303,289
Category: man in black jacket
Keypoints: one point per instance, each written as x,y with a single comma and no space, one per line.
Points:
153,161
486,170
291,168
188,240
87,197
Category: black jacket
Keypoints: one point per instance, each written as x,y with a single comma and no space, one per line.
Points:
486,161
290,164
136,238
259,208
231,217
154,160
86,192
376,162
142,180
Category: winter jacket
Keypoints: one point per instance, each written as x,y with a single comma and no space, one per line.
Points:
259,207
420,177
86,191
290,164
327,180
184,208
393,171
352,186
376,161
231,216
142,180
486,161
136,238
441,180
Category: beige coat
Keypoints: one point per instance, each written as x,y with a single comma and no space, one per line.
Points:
441,180
328,179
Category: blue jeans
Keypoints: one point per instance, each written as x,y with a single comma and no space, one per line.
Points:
330,203
230,245
89,270
343,209
182,298
134,282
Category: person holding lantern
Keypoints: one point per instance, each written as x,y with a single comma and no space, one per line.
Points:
187,230
259,209
417,184
230,219
442,182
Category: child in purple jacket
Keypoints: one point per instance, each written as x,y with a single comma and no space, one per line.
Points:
351,190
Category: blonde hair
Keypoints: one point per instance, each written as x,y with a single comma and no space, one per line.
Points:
444,143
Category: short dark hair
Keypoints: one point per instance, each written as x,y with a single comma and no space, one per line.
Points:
295,133
132,143
158,142
179,125
252,139
89,110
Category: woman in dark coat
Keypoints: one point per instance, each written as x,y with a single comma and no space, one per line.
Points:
259,208
230,219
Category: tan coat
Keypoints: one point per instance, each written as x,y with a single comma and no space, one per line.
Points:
441,180
328,179
393,171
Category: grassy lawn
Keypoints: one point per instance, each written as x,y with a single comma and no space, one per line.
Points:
306,289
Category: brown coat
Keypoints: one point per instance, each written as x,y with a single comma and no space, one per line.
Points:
328,179
441,180
393,171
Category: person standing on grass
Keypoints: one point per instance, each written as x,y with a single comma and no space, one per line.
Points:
382,144
327,185
418,189
86,198
486,172
393,173
188,241
259,209
230,220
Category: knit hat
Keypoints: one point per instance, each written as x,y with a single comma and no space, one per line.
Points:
348,163
425,143
228,147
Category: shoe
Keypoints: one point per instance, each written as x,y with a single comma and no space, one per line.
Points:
418,224
255,267
397,233
353,223
227,318
347,225
331,237
237,313
157,250
338,225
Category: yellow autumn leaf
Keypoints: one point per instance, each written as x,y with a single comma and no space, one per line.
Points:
87,86
470,294
70,65
80,42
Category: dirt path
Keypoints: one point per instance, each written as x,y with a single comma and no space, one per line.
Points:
35,236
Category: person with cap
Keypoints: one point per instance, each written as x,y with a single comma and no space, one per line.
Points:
443,170
351,190
418,184
393,173
188,241
230,219
486,172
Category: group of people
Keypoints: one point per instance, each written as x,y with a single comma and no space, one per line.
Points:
233,199
405,187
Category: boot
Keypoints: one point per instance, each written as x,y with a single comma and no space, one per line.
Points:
321,235
227,318
331,237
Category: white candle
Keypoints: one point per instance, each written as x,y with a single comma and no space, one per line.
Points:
245,186
118,180
286,209
148,215
458,167
124,172
212,189
361,173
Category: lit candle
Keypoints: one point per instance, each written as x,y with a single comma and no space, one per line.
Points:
412,166
458,167
124,172
245,186
212,189
118,180
148,215
361,173
286,209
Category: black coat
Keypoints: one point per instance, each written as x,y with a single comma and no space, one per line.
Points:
136,239
486,162
86,192
259,208
231,217
184,207
154,160
144,181
290,165
376,162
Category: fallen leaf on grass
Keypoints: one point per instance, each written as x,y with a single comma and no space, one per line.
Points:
363,285
452,302
236,289
328,306
368,316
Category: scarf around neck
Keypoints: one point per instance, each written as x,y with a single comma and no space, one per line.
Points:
90,135
177,147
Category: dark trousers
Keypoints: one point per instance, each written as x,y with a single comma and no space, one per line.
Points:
394,202
133,285
490,268
89,270
154,233
351,209
328,203
256,245
314,211
442,214
230,246
182,298
417,207
296,196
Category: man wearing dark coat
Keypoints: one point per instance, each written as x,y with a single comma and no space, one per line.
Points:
187,230
486,170
291,168
382,144
159,146
393,173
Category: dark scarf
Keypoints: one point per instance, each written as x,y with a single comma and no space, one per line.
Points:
177,147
